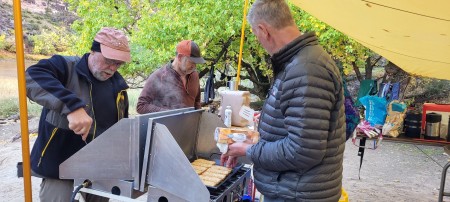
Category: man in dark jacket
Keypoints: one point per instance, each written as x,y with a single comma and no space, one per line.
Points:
176,84
81,98
302,124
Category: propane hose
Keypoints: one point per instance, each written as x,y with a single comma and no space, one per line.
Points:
85,184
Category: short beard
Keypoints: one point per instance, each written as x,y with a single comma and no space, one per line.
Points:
98,76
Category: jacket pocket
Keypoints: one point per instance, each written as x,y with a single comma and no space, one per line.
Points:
287,183
46,146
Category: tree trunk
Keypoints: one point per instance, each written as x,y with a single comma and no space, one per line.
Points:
358,73
368,68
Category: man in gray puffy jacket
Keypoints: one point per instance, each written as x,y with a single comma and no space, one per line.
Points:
302,124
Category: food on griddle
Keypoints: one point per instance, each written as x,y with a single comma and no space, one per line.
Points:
222,172
209,183
219,169
210,174
209,180
216,175
203,161
199,169
201,164
215,167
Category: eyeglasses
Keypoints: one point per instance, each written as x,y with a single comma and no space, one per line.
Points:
110,62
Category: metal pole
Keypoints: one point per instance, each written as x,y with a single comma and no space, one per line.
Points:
238,78
22,99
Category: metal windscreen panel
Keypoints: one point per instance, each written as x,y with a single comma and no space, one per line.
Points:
183,127
171,171
144,132
109,156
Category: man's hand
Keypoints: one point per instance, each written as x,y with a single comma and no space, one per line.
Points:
235,150
228,161
80,122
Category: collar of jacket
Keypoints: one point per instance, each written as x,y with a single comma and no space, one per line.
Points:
83,67
287,52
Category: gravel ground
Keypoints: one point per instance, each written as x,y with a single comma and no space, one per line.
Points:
393,172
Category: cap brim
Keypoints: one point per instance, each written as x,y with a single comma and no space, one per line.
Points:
197,60
115,54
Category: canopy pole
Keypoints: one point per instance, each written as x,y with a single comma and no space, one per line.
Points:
22,99
238,78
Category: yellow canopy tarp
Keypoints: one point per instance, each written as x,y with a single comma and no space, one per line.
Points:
413,34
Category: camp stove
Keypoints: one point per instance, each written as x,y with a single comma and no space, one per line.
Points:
150,154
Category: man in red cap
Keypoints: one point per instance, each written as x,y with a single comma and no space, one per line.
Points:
81,98
176,84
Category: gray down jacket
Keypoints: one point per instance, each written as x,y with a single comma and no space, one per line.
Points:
302,126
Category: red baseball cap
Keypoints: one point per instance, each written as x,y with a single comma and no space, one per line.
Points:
113,44
190,49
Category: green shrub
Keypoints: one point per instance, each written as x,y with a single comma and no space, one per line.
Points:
34,109
10,44
10,106
437,88
52,42
43,43
2,41
33,27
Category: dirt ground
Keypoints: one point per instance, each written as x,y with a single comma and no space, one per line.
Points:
393,172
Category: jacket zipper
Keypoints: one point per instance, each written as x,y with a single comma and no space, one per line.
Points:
93,112
46,145
187,82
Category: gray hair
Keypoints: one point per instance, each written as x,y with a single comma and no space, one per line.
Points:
274,12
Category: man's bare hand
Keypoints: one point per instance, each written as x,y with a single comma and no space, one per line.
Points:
228,161
235,150
80,122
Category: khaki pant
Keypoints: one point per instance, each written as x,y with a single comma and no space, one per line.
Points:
55,190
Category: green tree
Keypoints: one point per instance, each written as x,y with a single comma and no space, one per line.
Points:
346,51
155,27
